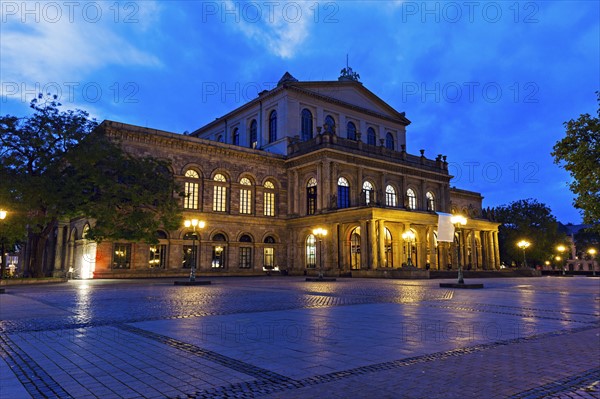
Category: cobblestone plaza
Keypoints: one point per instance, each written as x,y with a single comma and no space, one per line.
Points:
283,337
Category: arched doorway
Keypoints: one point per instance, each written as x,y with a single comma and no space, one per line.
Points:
355,249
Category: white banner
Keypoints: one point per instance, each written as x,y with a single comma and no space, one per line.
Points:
445,227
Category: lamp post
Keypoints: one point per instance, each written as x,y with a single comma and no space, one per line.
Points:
458,221
409,236
592,252
561,249
320,233
3,214
524,244
194,223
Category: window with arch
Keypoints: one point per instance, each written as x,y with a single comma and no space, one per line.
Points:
269,254
218,252
235,136
329,124
411,199
311,196
220,138
253,134
272,126
343,194
306,125
311,252
351,131
191,189
355,249
388,248
391,198
269,205
389,141
367,189
220,193
245,252
371,136
430,201
245,196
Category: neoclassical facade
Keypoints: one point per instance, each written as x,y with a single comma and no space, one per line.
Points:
327,154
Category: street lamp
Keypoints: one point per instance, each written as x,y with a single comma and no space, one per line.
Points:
409,236
592,252
524,244
194,223
320,233
3,214
458,221
561,249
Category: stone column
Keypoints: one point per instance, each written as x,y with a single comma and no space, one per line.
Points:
364,245
479,249
372,244
433,262
295,192
320,187
496,251
381,243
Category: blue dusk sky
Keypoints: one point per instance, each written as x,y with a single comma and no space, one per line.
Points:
489,84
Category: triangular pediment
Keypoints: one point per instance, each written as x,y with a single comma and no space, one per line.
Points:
351,93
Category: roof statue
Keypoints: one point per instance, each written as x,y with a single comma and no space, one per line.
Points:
348,74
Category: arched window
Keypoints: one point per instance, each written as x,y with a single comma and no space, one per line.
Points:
245,253
269,205
191,189
220,138
411,198
311,196
311,252
268,254
307,125
220,193
253,134
389,141
388,247
343,195
329,124
367,189
235,136
371,136
351,131
391,199
218,252
430,201
245,196
355,249
272,126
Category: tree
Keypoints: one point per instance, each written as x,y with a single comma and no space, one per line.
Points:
58,165
579,154
527,220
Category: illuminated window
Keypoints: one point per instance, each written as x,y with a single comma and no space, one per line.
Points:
389,254
430,201
253,134
307,125
311,252
121,256
391,199
355,249
191,187
218,252
311,196
269,254
269,206
351,131
157,257
273,126
371,136
411,198
368,192
220,194
343,200
245,196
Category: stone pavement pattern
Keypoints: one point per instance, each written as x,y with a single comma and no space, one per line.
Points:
282,337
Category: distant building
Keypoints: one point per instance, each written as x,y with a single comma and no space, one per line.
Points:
327,154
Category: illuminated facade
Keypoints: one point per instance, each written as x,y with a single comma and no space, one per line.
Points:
302,155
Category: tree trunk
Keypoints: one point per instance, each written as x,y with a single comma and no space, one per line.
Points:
37,246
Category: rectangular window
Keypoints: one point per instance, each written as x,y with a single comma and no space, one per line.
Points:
268,262
269,204
218,257
245,258
245,201
311,200
158,257
343,197
188,256
390,199
190,200
121,256
219,199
